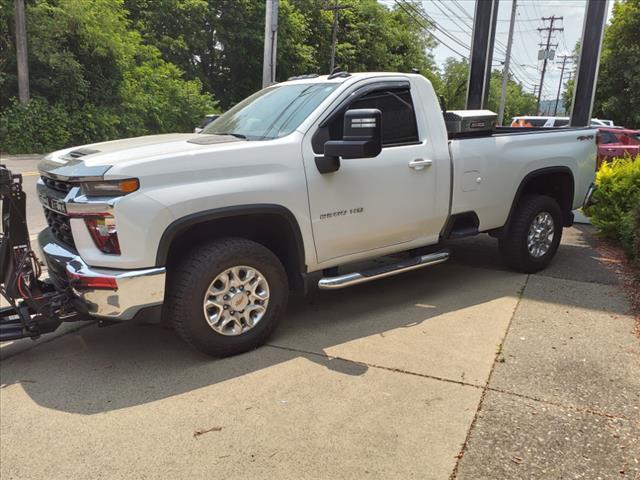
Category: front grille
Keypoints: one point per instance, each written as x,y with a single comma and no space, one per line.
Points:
57,185
60,226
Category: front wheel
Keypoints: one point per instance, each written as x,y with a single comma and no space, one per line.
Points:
227,296
533,234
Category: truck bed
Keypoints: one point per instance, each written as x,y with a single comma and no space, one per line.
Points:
488,169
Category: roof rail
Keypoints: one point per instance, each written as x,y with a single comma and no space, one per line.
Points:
302,77
336,72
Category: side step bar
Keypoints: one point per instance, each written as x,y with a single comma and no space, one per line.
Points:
355,278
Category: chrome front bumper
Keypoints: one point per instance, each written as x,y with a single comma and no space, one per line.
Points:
135,289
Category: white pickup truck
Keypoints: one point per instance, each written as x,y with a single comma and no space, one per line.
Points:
308,175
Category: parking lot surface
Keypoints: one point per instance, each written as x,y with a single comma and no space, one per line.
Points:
463,370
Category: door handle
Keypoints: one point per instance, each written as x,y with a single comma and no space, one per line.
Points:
420,163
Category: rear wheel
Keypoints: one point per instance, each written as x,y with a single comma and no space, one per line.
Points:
227,296
533,235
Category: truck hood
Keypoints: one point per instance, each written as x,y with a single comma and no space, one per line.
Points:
95,159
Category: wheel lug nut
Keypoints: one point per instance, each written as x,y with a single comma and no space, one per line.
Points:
232,312
226,307
226,297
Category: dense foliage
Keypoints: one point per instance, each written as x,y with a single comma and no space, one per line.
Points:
616,202
220,42
618,85
618,91
103,69
91,78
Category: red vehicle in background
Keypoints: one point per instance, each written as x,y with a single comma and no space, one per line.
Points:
617,142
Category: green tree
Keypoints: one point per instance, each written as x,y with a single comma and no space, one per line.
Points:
455,75
454,90
567,95
86,61
617,94
220,42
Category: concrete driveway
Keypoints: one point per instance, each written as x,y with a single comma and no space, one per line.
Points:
463,370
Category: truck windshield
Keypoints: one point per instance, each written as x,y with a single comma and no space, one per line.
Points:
271,113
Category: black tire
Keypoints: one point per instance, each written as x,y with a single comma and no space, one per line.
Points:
190,280
513,247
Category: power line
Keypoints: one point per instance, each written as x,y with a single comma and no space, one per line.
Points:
464,11
435,2
500,47
434,24
426,29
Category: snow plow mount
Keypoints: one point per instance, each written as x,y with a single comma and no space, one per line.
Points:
34,306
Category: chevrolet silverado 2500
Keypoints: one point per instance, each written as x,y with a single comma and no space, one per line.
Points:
309,175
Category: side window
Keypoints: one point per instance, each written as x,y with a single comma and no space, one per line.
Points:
398,116
538,122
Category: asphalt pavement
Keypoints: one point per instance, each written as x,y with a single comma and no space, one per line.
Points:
463,370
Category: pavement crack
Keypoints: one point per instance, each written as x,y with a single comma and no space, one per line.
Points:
486,387
564,406
379,367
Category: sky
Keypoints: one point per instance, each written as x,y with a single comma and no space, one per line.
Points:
455,17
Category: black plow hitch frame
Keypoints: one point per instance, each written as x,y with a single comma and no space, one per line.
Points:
34,306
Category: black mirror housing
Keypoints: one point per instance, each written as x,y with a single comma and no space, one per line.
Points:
362,137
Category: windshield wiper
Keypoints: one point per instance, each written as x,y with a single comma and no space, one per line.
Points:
237,135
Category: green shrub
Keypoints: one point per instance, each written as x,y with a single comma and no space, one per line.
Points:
635,245
616,202
33,127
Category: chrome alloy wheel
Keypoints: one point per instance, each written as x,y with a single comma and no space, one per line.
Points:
541,235
236,300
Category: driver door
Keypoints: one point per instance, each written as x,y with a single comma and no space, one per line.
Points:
375,203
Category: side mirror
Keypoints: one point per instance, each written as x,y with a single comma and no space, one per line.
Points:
362,138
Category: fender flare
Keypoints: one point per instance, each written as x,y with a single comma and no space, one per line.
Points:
180,225
530,176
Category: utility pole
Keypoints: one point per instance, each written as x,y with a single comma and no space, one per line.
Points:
550,29
535,91
270,42
507,59
21,52
335,8
565,58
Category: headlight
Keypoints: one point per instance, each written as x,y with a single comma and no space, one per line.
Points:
110,188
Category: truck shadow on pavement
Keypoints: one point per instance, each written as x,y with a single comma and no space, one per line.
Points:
448,309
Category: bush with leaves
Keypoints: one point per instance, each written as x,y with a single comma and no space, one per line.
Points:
34,127
92,79
630,234
616,202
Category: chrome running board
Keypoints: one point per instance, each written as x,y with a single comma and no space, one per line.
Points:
355,278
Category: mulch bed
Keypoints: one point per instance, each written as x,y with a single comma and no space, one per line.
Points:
628,274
